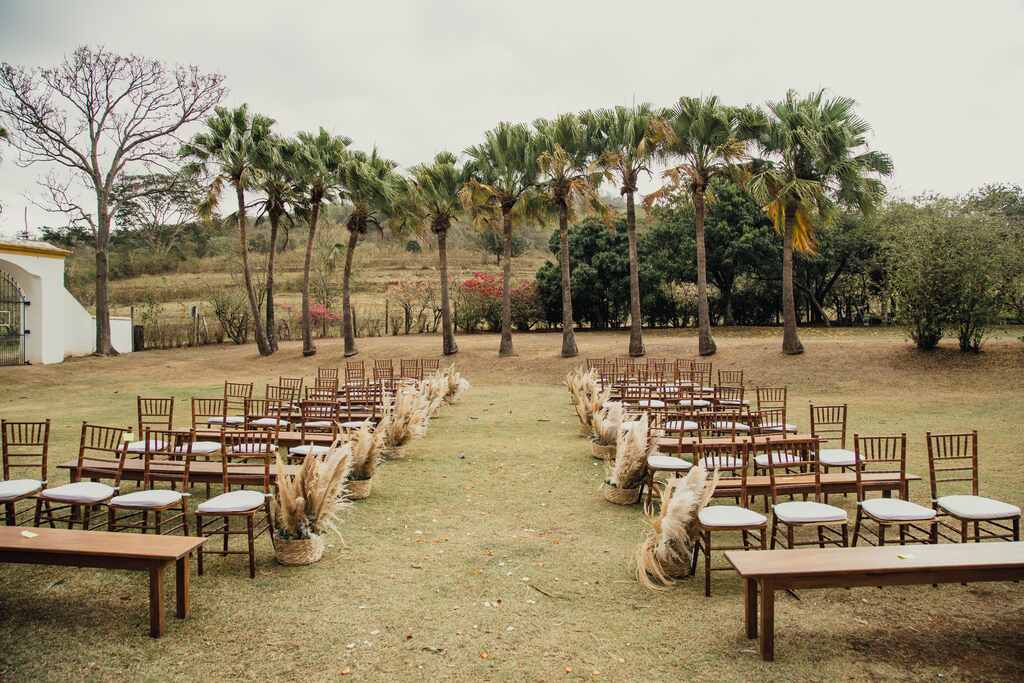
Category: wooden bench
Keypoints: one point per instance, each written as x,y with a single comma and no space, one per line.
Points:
767,571
687,444
144,552
831,483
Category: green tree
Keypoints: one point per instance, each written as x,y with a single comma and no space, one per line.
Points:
707,137
435,193
815,156
503,174
569,182
623,140
227,151
317,159
370,185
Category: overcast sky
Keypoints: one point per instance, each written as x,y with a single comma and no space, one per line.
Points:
942,83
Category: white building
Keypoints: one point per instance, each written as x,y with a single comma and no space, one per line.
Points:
40,321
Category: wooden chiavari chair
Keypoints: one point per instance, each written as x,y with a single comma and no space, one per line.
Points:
293,383
410,369
953,459
691,396
266,415
235,396
730,378
772,421
729,397
161,446
727,518
359,404
430,365
888,454
318,417
102,447
214,516
701,373
828,423
790,463
25,447
771,397
322,393
355,371
327,377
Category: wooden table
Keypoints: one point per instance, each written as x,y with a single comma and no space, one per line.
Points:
199,471
831,482
669,444
284,439
766,571
143,552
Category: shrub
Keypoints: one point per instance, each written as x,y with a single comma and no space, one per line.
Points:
413,247
232,311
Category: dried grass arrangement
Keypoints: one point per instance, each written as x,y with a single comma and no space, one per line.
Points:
666,553
629,468
606,422
457,384
586,396
434,388
405,418
367,445
306,505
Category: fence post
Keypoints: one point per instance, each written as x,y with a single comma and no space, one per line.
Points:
387,316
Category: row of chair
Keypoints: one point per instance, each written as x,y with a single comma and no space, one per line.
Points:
624,369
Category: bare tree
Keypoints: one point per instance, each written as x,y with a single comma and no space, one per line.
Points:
98,114
161,210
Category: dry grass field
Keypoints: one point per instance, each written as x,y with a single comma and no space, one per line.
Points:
486,553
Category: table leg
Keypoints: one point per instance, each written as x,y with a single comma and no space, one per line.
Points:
767,621
750,607
181,582
156,601
886,493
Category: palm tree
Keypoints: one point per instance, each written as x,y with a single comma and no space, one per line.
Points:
370,184
707,137
275,182
435,198
815,157
624,139
569,179
317,159
228,149
503,171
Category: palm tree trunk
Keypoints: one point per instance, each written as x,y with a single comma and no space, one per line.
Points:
346,306
568,334
308,347
705,344
505,349
275,217
790,341
262,345
448,345
636,338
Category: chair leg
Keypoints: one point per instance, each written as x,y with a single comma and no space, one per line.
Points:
1016,528
963,531
790,536
227,529
86,518
903,534
846,535
9,515
37,517
199,554
707,565
933,533
184,518
775,528
821,537
977,532
158,527
881,535
252,546
856,526
111,514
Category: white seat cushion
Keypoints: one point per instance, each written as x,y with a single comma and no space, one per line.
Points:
895,509
681,425
353,424
837,457
253,448
319,424
269,422
307,449
694,403
977,507
730,515
230,420
233,501
805,511
79,492
733,402
761,460
13,489
731,426
651,403
140,446
725,462
200,448
155,498
780,428
667,462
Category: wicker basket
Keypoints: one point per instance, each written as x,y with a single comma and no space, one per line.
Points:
358,489
602,452
299,551
619,496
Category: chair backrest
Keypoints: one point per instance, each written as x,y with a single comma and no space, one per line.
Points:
729,396
319,393
105,445
879,454
157,413
410,369
315,412
702,372
328,374
383,374
771,397
953,458
790,463
24,446
241,450
723,456
730,378
355,371
430,365
293,383
383,364
324,384
205,408
770,421
828,423
162,445
282,394
235,394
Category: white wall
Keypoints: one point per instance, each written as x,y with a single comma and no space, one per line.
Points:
79,328
120,334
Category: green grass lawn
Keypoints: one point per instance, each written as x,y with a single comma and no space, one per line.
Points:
487,553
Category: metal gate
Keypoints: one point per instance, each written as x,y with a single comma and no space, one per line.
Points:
12,322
